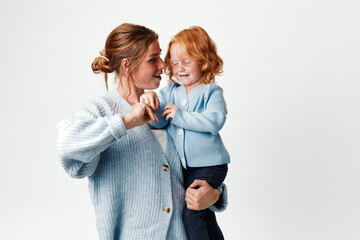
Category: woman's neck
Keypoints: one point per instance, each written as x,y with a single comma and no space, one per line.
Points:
129,92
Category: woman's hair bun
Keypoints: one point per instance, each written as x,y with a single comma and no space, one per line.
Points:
101,64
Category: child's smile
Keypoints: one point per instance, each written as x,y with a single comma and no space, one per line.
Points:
186,70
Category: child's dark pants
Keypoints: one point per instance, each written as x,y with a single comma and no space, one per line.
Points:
202,225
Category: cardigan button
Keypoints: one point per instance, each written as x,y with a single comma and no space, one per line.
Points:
180,131
166,209
165,167
184,102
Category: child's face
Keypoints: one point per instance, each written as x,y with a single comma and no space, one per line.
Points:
185,70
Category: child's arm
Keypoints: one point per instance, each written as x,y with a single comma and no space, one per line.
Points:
211,120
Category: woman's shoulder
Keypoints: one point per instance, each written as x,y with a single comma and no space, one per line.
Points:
101,101
102,105
112,97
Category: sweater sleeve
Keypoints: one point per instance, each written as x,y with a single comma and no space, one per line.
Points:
222,202
83,137
211,120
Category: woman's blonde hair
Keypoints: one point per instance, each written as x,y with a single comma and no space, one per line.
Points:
200,47
126,41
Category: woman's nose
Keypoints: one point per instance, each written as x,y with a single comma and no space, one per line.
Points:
162,64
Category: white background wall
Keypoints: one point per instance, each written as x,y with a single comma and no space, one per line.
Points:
291,80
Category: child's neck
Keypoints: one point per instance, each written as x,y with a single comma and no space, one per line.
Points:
190,87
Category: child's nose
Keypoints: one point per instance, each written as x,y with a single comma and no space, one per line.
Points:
181,67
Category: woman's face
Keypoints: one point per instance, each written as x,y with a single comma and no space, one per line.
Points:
147,74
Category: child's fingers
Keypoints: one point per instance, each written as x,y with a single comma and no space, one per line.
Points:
169,113
165,112
152,103
168,109
169,106
148,100
157,104
142,99
151,115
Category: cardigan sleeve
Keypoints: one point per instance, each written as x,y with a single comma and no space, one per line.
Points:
222,202
83,137
211,120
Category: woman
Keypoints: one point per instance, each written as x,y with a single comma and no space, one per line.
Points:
135,181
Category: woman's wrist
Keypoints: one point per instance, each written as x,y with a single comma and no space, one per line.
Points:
221,203
217,194
129,121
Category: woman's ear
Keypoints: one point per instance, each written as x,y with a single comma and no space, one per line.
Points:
125,64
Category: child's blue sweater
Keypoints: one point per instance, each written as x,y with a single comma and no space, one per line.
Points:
195,127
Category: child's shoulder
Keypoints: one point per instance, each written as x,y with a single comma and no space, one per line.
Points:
212,90
211,87
171,85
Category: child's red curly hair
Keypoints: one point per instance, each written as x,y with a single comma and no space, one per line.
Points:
200,47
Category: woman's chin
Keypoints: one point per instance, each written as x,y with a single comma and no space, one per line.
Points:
153,86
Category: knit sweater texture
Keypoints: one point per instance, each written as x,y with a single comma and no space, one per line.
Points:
136,189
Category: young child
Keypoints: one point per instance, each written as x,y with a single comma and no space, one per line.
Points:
193,110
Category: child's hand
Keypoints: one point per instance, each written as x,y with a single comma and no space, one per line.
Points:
169,111
150,99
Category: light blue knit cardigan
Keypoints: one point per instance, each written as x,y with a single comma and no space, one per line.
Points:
137,190
195,127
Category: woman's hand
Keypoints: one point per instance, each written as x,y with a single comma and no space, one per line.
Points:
150,99
139,115
169,111
200,195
